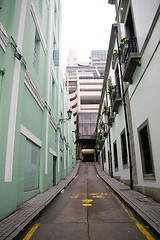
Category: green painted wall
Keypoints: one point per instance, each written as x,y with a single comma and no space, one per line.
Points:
29,114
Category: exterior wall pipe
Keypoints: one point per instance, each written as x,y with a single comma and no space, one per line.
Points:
110,148
126,119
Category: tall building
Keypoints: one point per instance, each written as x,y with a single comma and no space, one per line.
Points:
128,120
85,85
36,144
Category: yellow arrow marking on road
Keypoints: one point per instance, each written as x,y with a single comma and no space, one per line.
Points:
87,200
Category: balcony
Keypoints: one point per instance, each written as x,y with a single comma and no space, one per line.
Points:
131,59
110,116
116,99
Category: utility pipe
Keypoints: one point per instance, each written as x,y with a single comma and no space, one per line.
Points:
110,148
126,119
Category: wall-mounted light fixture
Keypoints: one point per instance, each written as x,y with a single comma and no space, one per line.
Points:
69,112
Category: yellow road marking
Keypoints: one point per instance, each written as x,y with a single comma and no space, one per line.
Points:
105,194
87,205
125,209
140,227
76,196
76,176
107,187
98,176
87,200
30,233
147,234
98,196
93,194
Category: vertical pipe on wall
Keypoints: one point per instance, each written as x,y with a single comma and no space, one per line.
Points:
126,119
110,148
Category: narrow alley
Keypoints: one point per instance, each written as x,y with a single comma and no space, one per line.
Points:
86,209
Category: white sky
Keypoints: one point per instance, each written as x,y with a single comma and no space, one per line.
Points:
86,26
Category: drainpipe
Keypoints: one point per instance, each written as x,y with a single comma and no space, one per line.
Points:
110,148
126,119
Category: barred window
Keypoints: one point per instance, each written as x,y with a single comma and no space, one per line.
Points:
31,170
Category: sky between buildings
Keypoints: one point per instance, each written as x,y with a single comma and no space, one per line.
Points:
86,26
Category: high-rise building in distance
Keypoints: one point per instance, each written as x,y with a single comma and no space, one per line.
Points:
84,81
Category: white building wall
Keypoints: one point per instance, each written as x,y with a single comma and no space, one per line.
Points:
144,98
143,14
145,105
144,92
117,127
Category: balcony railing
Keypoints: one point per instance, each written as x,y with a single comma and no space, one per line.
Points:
132,59
110,116
116,99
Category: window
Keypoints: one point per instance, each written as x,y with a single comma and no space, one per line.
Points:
40,6
55,16
130,32
36,51
61,144
31,170
146,152
56,57
86,124
124,148
129,25
54,89
55,52
90,101
115,155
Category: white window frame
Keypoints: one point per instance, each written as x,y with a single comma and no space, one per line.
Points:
24,131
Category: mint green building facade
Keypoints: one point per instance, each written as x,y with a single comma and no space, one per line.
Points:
37,150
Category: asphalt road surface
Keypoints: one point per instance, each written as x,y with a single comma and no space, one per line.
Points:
87,210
